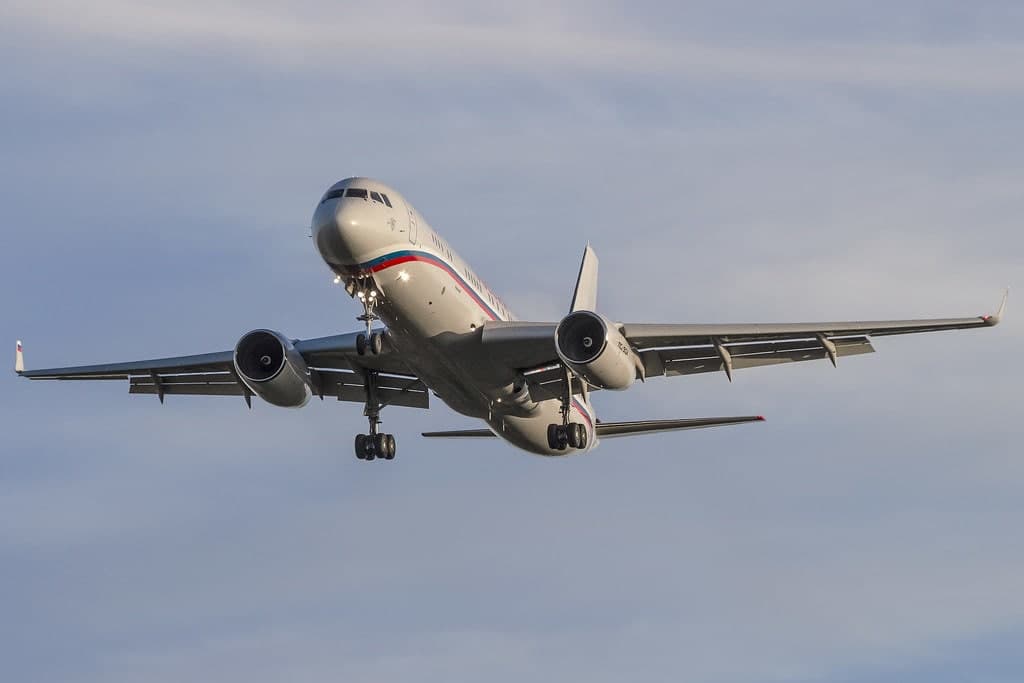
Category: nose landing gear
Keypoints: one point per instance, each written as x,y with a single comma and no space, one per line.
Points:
363,288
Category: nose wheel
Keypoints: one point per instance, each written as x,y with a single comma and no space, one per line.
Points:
372,343
363,289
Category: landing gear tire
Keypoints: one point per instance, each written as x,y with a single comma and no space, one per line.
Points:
380,445
553,430
576,434
373,344
581,436
573,435
372,446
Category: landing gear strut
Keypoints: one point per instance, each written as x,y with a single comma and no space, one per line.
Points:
568,434
375,444
363,288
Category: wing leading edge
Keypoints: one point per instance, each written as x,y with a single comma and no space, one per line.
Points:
693,348
336,370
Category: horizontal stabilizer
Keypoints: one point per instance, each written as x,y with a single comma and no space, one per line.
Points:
607,430
610,429
460,434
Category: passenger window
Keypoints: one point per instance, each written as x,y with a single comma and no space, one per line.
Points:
355,192
386,200
376,197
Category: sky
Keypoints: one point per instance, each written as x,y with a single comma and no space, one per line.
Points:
729,161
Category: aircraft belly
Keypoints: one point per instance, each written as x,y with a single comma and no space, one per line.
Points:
435,329
436,325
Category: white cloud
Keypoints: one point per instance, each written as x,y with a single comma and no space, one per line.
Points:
417,39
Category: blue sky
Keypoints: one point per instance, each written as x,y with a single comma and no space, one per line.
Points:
730,161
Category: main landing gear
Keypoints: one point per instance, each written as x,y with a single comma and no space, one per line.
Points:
568,434
572,435
375,444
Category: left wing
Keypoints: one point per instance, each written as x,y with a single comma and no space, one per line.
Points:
336,369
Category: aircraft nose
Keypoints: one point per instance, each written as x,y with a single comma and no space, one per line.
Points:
337,227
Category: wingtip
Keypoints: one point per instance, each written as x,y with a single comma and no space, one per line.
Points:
19,358
760,418
995,318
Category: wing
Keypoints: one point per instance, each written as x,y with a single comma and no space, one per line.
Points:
687,349
336,369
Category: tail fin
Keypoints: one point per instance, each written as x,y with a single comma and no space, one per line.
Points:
585,296
19,358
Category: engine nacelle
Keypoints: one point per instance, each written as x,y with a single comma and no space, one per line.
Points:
271,367
596,351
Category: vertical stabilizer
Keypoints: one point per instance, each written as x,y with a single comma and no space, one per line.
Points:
19,359
585,296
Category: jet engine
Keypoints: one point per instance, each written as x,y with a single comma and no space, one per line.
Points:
596,351
271,367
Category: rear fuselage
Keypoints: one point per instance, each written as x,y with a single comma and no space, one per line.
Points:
434,307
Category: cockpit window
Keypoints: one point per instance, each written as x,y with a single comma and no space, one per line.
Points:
333,194
375,197
386,200
356,192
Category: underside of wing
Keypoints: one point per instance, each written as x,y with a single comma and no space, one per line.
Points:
685,349
335,369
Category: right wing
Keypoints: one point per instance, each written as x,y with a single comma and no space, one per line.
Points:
336,369
694,348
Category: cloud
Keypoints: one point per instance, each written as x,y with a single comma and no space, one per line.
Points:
414,39
162,164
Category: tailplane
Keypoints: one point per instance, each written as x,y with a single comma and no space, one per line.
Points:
606,430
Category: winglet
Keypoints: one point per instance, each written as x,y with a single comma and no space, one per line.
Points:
19,358
998,315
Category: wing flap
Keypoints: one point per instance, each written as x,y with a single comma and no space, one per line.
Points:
188,389
693,360
406,392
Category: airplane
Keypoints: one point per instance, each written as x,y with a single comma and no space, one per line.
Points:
446,333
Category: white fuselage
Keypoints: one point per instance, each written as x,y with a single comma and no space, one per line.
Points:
434,307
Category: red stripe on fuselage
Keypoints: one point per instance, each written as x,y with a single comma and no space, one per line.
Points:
398,260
